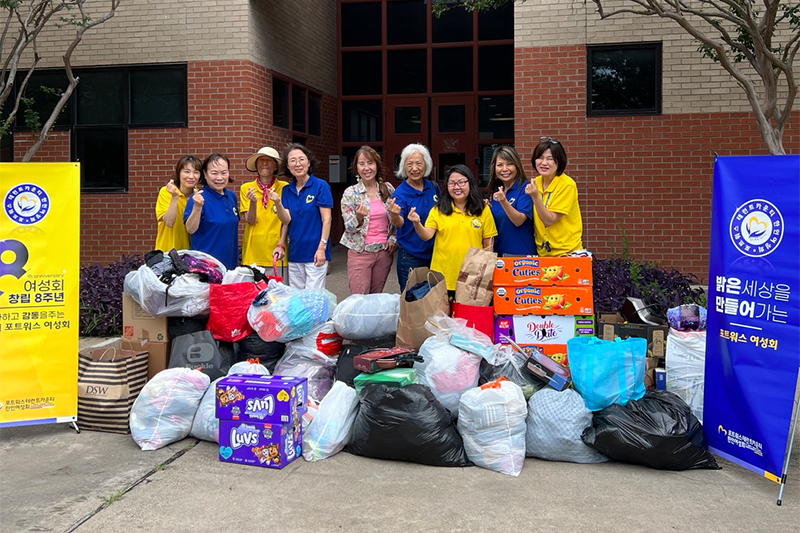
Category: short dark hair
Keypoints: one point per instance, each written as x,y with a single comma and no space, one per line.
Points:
474,205
188,160
313,162
556,148
210,159
509,154
371,154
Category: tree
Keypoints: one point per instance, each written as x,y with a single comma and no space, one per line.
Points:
29,20
755,42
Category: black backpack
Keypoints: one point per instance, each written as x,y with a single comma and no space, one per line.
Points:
344,365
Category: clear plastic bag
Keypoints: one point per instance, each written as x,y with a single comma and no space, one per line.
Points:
491,421
366,316
188,296
165,409
323,338
556,420
508,363
281,313
205,425
448,371
243,274
302,361
332,426
686,367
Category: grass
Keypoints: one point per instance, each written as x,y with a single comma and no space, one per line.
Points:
117,496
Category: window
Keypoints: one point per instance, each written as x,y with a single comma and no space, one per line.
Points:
496,68
361,24
623,79
496,24
296,108
407,71
407,22
361,73
362,121
452,70
104,106
455,25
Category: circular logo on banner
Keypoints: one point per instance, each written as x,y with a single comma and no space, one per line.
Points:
756,228
26,204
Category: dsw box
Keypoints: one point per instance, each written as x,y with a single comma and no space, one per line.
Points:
538,300
548,271
259,444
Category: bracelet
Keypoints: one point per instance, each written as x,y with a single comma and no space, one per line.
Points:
324,241
279,245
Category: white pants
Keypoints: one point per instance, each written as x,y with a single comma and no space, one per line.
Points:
307,275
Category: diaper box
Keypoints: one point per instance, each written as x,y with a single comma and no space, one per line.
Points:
542,329
265,399
259,444
564,271
301,390
538,300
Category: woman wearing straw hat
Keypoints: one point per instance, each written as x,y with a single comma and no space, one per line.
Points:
264,235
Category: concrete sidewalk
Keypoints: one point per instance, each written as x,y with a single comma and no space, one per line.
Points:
52,479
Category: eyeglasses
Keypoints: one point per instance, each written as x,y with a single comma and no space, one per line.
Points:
549,140
458,184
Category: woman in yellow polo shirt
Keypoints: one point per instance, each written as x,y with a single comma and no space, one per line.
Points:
264,235
171,204
459,221
558,222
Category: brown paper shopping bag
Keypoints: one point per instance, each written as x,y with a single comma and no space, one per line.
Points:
411,332
109,380
474,285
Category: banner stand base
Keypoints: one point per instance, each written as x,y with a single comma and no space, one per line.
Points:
793,430
78,430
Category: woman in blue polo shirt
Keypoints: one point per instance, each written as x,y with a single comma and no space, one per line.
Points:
304,205
414,192
512,208
212,215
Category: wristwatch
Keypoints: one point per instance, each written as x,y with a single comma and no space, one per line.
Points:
324,241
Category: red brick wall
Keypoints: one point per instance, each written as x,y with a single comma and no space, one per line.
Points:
650,177
230,111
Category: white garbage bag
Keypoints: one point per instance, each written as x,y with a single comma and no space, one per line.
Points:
205,425
301,361
164,411
246,367
686,367
332,426
556,420
367,316
491,421
448,371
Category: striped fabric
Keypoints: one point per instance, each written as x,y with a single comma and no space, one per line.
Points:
109,380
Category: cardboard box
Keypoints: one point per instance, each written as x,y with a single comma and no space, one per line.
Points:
556,352
262,399
548,271
611,326
137,324
259,444
542,329
543,300
158,358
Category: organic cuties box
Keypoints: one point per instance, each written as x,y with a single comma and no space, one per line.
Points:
264,399
537,300
259,444
561,271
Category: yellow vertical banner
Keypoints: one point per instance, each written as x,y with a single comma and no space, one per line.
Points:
39,292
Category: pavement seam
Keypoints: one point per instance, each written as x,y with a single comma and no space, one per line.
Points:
133,485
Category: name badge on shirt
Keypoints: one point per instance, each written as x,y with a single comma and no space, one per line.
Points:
435,197
309,198
476,223
235,211
511,201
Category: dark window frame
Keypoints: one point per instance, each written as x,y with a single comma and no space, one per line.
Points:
74,128
308,92
659,78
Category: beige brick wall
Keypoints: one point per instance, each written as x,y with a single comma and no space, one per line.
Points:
691,83
296,38
154,31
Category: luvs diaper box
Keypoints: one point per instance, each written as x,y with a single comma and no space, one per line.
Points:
259,444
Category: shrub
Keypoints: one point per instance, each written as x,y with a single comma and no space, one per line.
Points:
101,296
616,279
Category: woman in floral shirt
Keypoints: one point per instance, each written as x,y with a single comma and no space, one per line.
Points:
368,233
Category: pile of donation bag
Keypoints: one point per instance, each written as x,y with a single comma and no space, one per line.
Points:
511,370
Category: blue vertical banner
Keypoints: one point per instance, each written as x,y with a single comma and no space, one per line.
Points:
753,347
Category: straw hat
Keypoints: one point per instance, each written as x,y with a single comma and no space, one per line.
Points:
266,151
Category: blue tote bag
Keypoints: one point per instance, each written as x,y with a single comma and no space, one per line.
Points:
607,372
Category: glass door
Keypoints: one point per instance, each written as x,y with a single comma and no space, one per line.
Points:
407,123
453,133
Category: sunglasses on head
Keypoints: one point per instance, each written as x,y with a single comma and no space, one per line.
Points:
549,140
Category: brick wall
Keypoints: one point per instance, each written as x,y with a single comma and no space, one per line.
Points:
230,111
649,177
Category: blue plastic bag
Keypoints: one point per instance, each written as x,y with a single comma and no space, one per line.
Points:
607,372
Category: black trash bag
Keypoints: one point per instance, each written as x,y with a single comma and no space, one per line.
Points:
185,325
202,351
268,353
658,431
406,424
344,364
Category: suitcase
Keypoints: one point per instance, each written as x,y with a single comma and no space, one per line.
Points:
385,359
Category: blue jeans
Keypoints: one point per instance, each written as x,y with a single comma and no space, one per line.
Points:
405,262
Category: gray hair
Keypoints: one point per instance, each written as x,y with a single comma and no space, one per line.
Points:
410,150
